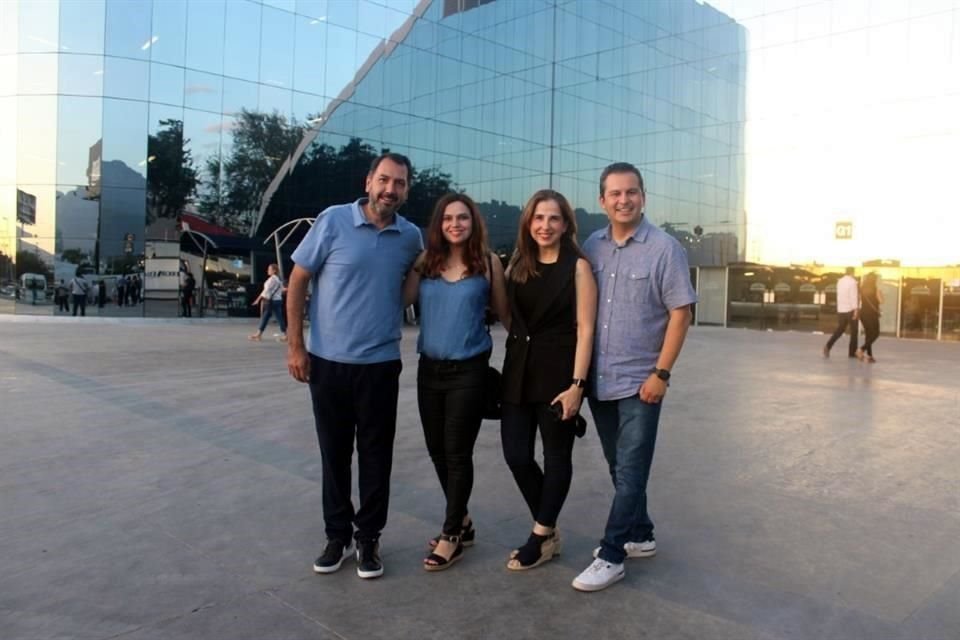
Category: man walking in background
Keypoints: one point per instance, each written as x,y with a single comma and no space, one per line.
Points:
848,313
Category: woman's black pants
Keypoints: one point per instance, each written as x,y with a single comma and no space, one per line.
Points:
543,490
450,398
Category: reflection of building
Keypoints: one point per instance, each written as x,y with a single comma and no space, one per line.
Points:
501,115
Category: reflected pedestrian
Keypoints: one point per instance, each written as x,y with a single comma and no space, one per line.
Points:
79,288
186,301
848,306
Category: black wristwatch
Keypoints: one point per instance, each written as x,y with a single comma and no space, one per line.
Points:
663,374
579,382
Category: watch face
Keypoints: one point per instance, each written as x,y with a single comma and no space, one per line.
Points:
663,374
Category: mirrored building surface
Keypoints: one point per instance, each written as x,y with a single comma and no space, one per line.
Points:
144,140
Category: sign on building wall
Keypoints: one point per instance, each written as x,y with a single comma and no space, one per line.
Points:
162,274
843,230
26,207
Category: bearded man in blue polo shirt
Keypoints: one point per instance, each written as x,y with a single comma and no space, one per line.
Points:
356,256
643,312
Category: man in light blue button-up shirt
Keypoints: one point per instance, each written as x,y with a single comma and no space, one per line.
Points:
643,312
356,256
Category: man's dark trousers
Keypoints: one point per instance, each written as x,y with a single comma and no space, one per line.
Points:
844,319
355,402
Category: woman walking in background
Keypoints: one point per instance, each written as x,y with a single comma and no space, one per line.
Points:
272,296
553,306
455,278
870,301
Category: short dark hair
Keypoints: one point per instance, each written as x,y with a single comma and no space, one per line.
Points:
393,157
620,167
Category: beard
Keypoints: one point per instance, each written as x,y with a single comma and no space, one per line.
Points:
385,208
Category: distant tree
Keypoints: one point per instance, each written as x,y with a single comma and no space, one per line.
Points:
28,262
171,177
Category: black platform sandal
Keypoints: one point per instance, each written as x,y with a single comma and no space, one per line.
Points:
436,562
468,536
537,550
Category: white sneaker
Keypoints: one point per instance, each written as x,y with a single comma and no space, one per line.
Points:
599,575
645,549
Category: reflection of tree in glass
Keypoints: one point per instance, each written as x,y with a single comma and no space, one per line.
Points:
261,143
171,176
30,263
74,256
327,176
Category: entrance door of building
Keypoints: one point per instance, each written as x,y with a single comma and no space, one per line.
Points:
920,308
712,305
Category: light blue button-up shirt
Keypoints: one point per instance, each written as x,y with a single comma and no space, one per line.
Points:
356,310
638,284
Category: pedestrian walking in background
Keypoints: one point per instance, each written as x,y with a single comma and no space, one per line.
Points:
272,298
848,308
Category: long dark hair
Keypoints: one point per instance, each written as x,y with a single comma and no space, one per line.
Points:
523,262
438,249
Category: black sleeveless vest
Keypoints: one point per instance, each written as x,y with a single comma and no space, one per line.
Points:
542,344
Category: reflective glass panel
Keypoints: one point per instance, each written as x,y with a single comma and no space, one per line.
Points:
81,75
38,26
124,78
170,29
276,49
124,148
310,54
203,91
81,26
37,73
78,136
205,35
128,29
166,84
242,41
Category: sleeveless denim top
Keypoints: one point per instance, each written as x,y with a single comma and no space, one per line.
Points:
452,316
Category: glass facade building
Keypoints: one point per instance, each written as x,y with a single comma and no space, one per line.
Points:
147,137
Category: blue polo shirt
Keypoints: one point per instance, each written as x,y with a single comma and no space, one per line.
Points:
356,310
638,284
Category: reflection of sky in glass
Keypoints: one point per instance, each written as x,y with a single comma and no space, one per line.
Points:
854,114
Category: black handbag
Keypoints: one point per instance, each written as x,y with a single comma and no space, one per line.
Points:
493,381
492,394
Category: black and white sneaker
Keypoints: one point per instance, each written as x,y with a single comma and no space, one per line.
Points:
332,557
369,564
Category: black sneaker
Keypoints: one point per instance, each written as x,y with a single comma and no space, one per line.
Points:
369,564
332,557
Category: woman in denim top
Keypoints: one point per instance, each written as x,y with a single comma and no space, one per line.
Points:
455,280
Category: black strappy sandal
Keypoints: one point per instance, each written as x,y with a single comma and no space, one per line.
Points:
468,536
436,562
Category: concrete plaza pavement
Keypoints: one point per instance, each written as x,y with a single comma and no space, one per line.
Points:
161,480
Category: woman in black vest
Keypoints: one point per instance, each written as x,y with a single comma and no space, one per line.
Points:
553,306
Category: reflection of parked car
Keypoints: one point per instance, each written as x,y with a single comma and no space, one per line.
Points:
8,290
